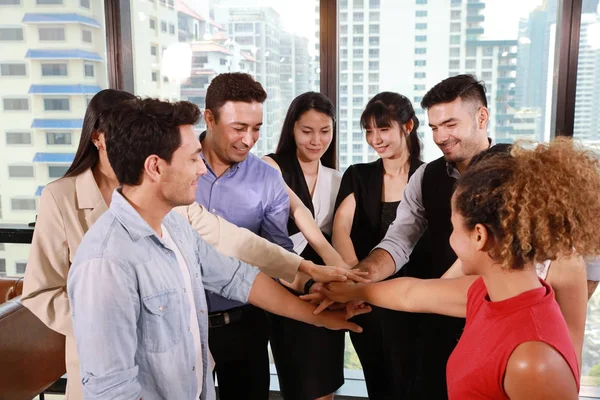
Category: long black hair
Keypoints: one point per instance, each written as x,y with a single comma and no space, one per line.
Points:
387,107
301,104
87,154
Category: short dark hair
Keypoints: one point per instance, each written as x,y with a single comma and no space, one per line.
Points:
467,87
301,104
87,156
234,86
386,107
139,128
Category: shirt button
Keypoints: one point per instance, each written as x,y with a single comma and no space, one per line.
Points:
189,328
184,291
160,308
201,311
213,210
194,368
196,274
216,183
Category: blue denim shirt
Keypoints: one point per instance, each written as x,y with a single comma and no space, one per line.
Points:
129,310
252,195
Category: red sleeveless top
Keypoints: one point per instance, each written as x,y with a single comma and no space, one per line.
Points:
476,368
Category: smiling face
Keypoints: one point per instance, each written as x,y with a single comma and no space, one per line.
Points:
388,141
456,129
179,178
313,133
236,131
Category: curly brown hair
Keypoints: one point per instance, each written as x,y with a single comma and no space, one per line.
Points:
536,203
233,86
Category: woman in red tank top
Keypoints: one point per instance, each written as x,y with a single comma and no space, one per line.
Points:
510,210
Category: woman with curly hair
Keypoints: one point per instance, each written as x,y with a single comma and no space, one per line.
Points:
510,211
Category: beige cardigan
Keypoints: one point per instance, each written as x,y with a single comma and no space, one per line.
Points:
68,208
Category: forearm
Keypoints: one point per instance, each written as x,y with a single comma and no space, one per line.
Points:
343,244
379,265
270,296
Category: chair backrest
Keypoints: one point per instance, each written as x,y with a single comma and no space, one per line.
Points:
32,356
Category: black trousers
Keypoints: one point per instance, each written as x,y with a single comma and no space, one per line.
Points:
241,356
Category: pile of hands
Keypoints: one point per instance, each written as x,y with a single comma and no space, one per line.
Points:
335,295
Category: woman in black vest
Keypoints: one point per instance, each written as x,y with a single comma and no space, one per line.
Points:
365,207
309,360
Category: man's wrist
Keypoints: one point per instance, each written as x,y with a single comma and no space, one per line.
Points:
309,283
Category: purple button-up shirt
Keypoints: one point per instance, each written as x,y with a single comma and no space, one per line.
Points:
252,195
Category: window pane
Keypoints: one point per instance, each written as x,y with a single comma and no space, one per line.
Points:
54,69
13,69
277,42
57,171
44,91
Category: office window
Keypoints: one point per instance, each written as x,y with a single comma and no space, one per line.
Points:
84,3
58,69
420,13
471,51
16,104
56,104
421,1
454,64
417,99
420,50
152,22
20,267
455,52
374,40
51,34
357,41
420,25
373,29
57,171
419,87
420,75
344,41
455,14
154,76
358,16
420,63
59,138
471,64
455,39
357,77
16,138
374,3
357,53
163,26
11,34
153,50
486,75
373,53
344,30
20,171
359,3
2,267
373,65
357,101
49,2
86,36
17,204
373,77
373,89
488,51
420,38
13,69
357,65
358,29
10,2
487,64
171,29
88,70
374,16
343,17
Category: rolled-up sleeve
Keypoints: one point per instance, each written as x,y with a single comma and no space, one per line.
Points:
410,223
593,269
225,276
104,309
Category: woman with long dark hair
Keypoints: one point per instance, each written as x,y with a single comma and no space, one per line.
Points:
511,210
69,207
305,156
366,205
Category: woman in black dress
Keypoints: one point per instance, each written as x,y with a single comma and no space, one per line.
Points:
365,207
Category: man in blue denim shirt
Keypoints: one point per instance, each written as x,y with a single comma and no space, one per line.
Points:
137,283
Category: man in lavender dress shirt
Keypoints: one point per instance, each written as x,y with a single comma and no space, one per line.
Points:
247,192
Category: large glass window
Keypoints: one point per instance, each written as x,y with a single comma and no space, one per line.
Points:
587,130
277,42
43,88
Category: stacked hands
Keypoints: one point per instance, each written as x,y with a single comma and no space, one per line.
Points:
337,291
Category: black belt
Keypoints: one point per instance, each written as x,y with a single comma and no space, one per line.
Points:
223,318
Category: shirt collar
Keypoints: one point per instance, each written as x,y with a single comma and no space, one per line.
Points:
230,171
131,220
451,169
